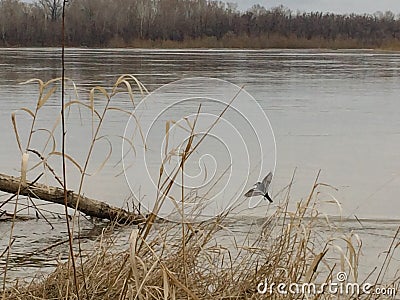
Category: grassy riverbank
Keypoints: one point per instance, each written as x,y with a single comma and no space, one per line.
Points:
194,261
241,42
264,42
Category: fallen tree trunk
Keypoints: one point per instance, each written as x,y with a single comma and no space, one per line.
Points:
90,207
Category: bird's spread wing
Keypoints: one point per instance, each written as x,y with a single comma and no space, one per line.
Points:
254,192
267,180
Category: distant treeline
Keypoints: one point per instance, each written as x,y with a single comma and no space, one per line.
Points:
191,23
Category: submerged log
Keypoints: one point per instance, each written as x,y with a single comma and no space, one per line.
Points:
88,206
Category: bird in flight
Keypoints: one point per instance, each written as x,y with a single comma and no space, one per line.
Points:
261,189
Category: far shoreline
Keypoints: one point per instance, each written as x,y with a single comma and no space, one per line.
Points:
244,42
186,46
319,49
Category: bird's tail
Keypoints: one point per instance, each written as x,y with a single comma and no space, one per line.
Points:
268,197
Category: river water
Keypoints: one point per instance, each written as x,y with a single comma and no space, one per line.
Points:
334,111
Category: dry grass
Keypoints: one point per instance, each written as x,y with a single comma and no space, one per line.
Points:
164,260
288,249
270,41
99,104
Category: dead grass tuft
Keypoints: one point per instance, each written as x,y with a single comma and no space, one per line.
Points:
286,248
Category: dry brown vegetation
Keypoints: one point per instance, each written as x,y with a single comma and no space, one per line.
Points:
200,265
273,41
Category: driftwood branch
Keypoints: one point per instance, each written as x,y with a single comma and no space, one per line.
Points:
88,206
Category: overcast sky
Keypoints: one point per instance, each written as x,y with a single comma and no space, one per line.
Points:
336,6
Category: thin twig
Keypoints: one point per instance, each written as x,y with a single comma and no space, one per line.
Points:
70,234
